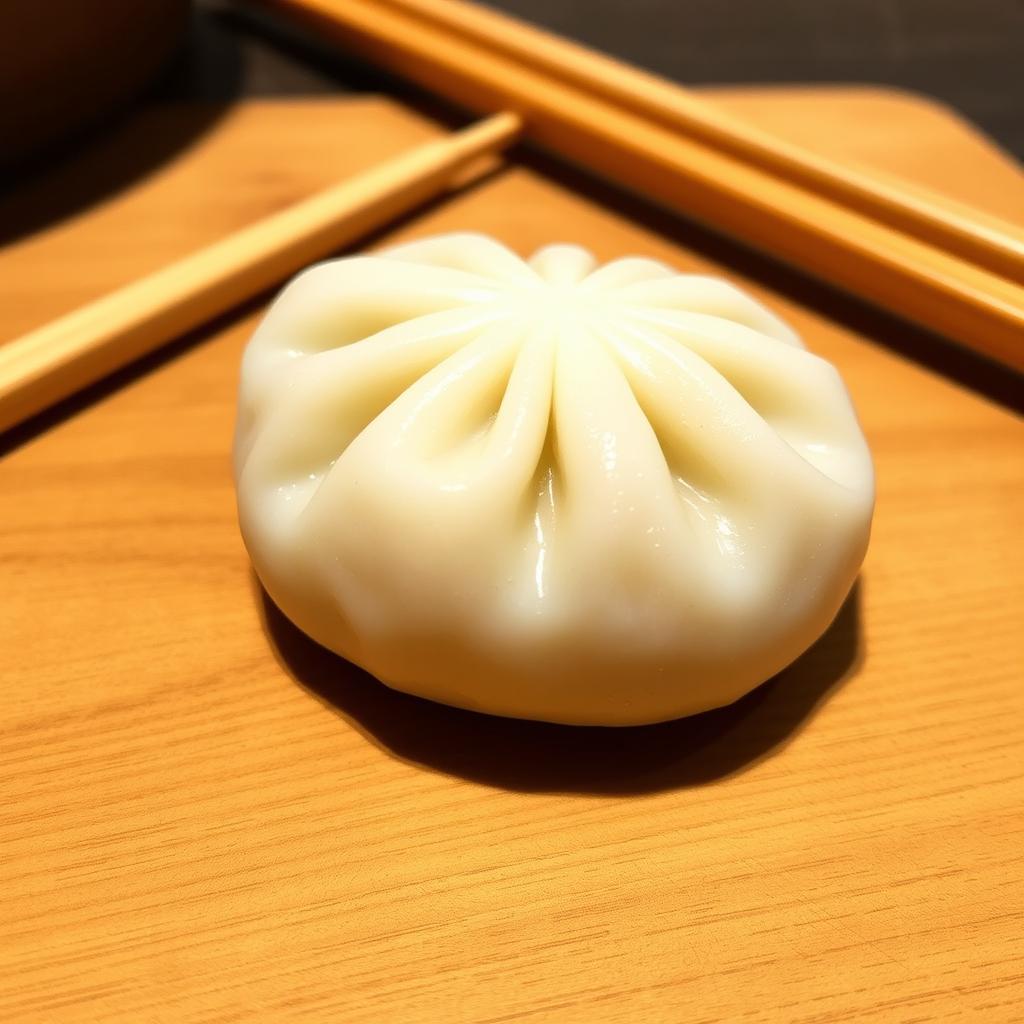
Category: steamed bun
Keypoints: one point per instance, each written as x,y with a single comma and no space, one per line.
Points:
544,488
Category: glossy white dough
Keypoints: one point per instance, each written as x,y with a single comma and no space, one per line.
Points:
545,489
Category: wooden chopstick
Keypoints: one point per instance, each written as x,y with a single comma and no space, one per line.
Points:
50,363
915,279
961,230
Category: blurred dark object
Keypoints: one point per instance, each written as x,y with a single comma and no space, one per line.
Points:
64,64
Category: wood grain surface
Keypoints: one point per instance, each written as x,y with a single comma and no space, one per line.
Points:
207,818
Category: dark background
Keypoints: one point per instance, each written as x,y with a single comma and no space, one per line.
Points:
968,53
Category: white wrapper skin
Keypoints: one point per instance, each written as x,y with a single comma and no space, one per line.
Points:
545,489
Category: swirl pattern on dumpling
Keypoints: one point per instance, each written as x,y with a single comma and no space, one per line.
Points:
545,489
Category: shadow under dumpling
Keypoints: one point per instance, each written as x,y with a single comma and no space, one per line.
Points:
541,757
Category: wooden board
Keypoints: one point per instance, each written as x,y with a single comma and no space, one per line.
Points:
206,818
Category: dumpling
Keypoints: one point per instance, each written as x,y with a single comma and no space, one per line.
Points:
546,489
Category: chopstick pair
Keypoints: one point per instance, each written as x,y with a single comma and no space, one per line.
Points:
955,227
52,362
942,265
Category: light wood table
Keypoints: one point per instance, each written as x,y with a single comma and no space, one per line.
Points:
206,818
